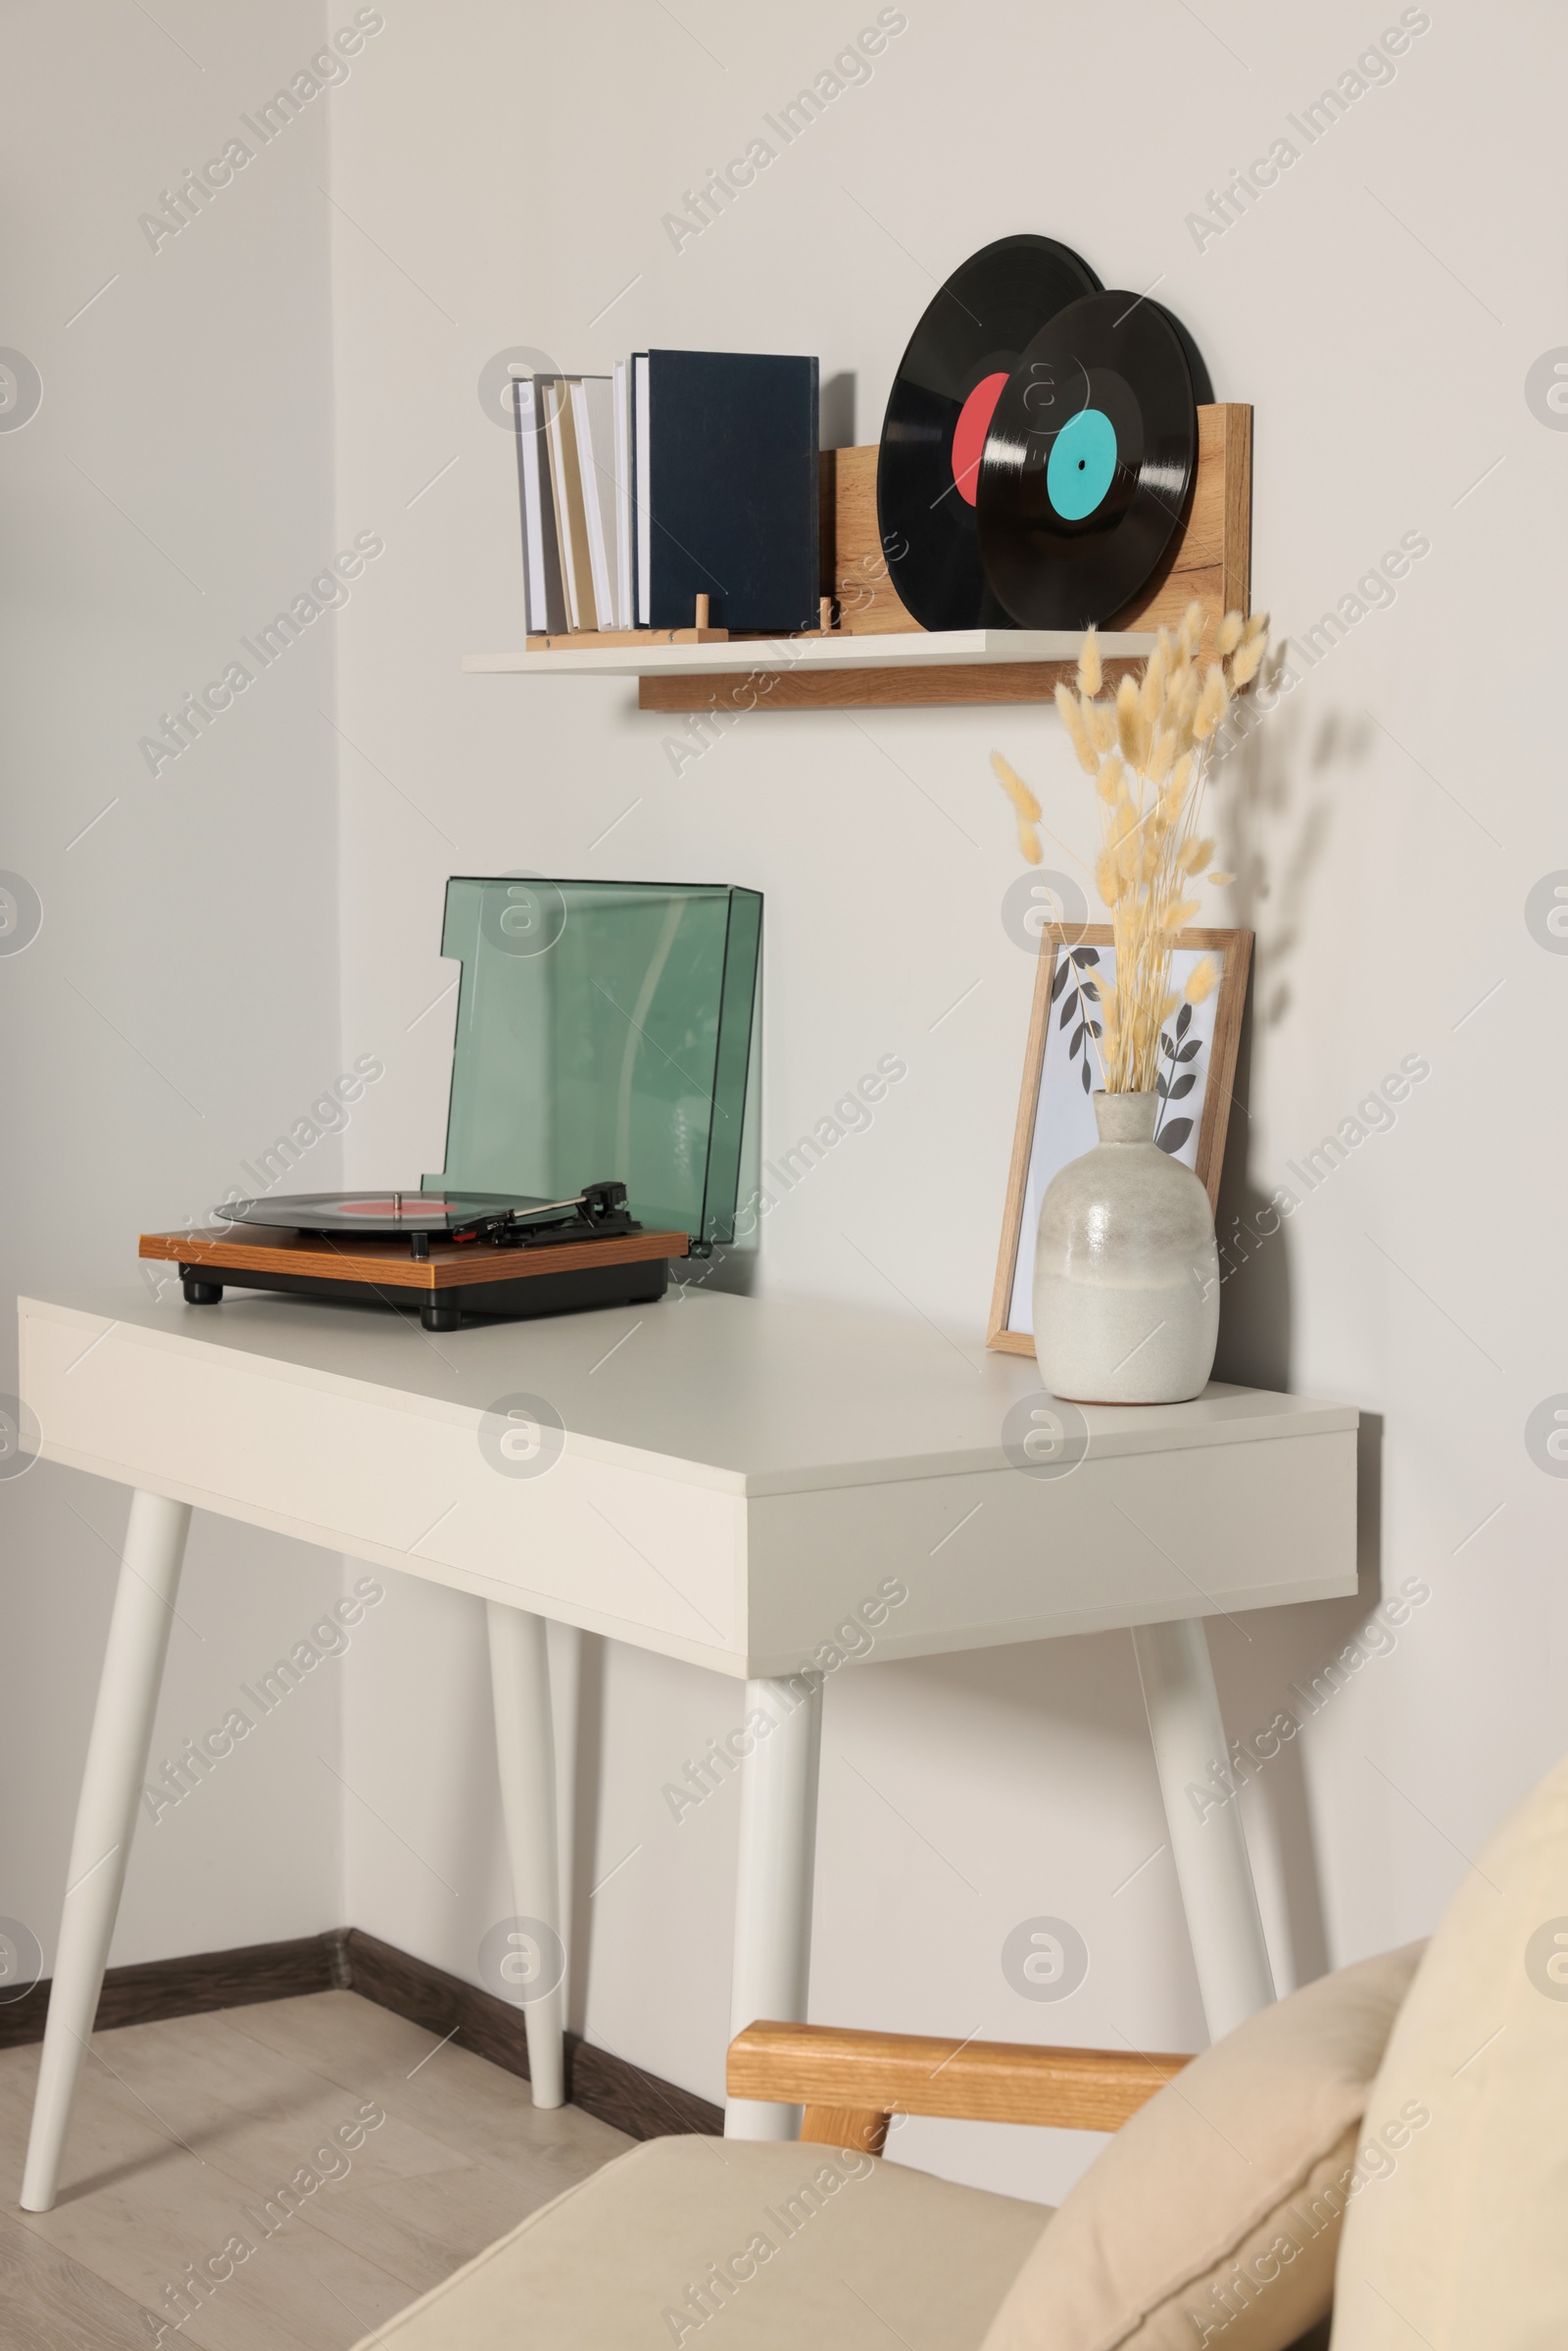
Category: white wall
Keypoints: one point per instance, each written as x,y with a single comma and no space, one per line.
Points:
498,177
179,1006
1380,306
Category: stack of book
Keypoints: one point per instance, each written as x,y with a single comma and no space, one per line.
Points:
684,473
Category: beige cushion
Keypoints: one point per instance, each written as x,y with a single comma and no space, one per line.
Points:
1461,2242
827,2251
1214,2215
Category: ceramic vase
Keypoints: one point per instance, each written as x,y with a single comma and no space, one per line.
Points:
1126,1290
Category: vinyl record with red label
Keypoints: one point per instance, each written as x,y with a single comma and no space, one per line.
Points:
1088,461
948,381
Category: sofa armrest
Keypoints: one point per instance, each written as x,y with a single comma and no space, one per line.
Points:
851,2082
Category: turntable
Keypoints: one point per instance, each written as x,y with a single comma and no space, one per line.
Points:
598,1098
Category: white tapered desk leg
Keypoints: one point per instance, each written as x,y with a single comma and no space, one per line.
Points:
774,1894
564,1645
106,1815
1207,1840
520,1681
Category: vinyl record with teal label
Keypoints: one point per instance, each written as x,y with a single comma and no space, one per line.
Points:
958,361
1088,461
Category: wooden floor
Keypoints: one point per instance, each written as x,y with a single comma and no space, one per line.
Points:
182,2133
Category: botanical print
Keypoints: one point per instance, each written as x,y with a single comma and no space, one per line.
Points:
1064,1119
1176,1080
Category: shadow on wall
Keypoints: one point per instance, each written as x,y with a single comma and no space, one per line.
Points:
584,1856
835,412
1255,1297
1274,862
1287,1666
1278,1675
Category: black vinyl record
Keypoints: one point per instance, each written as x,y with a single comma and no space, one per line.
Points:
384,1215
1087,462
948,381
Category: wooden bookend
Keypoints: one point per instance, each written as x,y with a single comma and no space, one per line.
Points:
587,640
1209,557
594,639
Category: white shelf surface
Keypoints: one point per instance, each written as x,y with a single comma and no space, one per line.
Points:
909,649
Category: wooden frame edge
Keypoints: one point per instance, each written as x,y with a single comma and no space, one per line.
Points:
1228,1016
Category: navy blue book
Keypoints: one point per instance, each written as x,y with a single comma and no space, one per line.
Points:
730,503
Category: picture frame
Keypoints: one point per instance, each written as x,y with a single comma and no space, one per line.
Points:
1055,1117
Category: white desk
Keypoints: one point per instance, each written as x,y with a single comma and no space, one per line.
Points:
733,1476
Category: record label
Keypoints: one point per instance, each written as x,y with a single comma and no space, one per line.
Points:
970,434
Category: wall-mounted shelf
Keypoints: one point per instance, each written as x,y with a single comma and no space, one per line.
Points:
810,654
879,654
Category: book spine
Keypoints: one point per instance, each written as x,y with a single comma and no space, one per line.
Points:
642,480
592,484
576,533
557,618
813,527
533,575
558,426
626,598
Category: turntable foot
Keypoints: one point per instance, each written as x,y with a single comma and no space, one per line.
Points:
201,1294
438,1312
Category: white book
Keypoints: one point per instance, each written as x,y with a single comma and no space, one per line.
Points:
625,552
544,601
642,443
593,415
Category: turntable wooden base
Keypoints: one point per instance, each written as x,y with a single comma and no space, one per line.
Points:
475,1276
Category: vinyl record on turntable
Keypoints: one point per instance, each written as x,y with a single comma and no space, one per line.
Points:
443,1215
1090,456
948,381
373,1216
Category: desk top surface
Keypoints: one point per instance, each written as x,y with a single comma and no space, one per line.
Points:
761,1393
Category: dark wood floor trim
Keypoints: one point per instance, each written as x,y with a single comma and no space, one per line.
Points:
616,2090
348,1959
156,1989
